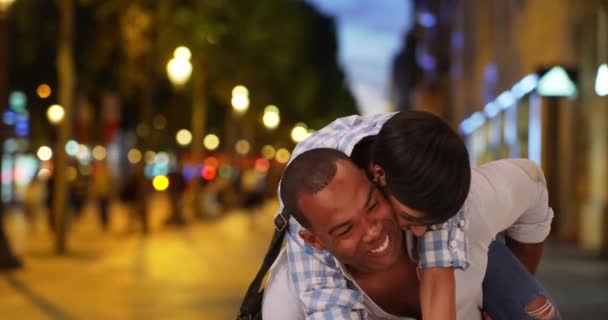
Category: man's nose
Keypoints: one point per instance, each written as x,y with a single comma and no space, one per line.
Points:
373,229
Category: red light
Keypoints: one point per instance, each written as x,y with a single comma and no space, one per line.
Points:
211,161
262,165
209,172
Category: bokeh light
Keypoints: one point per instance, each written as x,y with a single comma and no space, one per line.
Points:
242,147
55,114
299,132
99,153
211,142
282,156
160,183
43,91
44,153
134,156
268,152
183,137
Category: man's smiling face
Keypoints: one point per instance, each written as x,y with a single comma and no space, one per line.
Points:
352,220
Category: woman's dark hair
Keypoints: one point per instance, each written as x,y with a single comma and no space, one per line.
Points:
425,162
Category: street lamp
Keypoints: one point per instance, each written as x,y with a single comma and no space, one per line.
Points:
179,68
240,99
271,117
55,114
183,137
299,132
4,5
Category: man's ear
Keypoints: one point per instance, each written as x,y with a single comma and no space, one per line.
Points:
311,239
378,176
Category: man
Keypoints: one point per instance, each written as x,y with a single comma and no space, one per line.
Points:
428,141
345,214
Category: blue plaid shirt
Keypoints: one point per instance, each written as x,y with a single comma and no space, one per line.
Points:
319,282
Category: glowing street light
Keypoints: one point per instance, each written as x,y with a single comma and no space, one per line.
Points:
601,82
183,137
271,117
43,90
44,153
240,99
4,5
179,68
299,132
55,114
211,142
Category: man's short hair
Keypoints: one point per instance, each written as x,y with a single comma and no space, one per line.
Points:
309,172
426,164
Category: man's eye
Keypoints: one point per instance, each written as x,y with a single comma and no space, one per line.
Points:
346,231
373,206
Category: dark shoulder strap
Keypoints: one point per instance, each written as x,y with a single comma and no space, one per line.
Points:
251,302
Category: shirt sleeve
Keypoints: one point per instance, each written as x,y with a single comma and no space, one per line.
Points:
336,314
514,194
444,245
322,288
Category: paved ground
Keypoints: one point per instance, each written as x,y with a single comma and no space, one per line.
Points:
199,272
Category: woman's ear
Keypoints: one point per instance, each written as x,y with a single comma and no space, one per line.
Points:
378,176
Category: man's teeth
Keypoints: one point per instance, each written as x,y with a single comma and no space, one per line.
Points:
382,247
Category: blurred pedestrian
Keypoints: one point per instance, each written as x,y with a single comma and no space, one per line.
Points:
134,194
177,186
101,191
32,200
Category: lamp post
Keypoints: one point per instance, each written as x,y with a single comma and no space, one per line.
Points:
7,259
272,117
179,72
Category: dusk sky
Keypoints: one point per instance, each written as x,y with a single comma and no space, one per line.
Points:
369,36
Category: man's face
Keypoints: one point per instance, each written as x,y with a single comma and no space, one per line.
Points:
353,221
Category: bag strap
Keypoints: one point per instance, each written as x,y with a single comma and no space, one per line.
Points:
281,222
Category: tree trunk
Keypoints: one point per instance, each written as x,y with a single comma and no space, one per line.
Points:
65,75
199,118
7,258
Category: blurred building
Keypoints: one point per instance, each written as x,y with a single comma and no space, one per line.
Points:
520,79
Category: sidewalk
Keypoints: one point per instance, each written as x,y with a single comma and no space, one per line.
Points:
200,272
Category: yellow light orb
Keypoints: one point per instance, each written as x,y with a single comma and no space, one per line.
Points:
99,152
268,152
182,52
55,114
43,91
240,103
240,91
71,173
242,147
44,153
299,132
179,71
271,117
149,156
134,156
160,183
211,142
183,137
282,156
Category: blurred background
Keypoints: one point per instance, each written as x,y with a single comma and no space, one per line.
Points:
142,141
